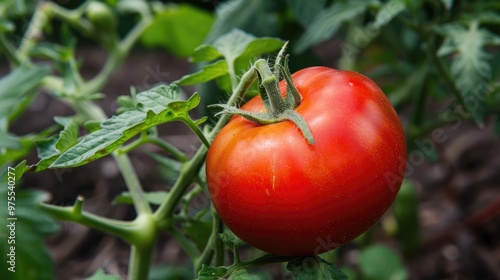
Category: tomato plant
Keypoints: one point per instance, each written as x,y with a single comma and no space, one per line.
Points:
306,166
286,196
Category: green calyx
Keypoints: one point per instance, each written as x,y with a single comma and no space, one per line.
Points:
279,109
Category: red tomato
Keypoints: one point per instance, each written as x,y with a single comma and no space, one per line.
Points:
285,196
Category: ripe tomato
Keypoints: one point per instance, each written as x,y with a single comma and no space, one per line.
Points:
285,196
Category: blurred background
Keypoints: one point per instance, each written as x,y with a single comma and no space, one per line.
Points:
438,62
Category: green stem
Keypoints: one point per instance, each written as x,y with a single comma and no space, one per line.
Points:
214,246
292,98
133,184
232,74
140,262
38,21
236,255
218,246
444,74
263,260
272,93
194,127
144,234
9,50
76,214
417,115
114,60
278,108
118,54
164,213
173,151
278,62
187,199
145,139
246,81
301,124
187,245
74,18
132,146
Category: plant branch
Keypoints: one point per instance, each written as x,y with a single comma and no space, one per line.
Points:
194,127
140,262
34,30
272,93
133,184
76,214
259,261
185,243
214,246
132,146
9,50
164,213
173,151
445,75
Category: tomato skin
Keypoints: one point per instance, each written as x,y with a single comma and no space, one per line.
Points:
284,196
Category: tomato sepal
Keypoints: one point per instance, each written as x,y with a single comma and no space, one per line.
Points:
279,108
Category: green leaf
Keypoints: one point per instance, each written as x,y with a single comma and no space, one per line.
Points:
258,46
169,169
205,53
470,67
238,49
314,268
21,168
409,87
199,232
32,261
211,273
8,141
329,21
26,145
237,44
230,239
6,26
92,125
51,51
100,274
304,12
388,11
380,263
155,106
50,149
208,73
178,28
447,3
242,274
484,17
258,17
17,84
154,198
17,8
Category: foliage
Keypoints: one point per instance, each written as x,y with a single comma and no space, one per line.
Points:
420,52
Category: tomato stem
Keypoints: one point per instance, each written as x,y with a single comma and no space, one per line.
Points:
271,94
279,108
